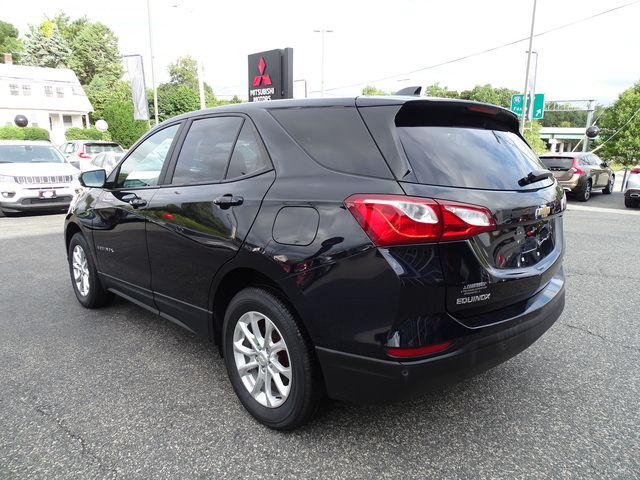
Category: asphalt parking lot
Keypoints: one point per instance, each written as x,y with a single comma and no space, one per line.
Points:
120,393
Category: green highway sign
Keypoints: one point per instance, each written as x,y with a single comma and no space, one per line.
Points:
517,105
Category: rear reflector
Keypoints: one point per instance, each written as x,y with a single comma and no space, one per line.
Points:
417,351
398,219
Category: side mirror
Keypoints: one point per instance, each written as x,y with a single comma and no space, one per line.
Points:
93,178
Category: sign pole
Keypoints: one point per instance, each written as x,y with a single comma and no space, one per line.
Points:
526,105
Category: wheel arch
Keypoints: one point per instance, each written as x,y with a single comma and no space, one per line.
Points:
240,276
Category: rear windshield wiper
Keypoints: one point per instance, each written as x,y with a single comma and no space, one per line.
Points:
535,176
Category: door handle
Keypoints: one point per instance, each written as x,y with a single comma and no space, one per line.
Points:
227,201
134,200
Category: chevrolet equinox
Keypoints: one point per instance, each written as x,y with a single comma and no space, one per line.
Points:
363,249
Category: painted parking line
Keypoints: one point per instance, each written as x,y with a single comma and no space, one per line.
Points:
603,210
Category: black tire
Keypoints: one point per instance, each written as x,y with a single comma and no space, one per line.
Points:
631,203
585,194
306,389
96,296
609,188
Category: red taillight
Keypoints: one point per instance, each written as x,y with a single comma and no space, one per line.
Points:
635,170
576,169
417,351
84,155
398,219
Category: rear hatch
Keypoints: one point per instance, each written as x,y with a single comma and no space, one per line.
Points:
561,167
473,154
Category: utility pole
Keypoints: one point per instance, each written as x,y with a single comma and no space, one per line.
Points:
322,32
153,76
527,104
590,109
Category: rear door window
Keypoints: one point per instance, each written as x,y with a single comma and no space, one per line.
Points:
249,155
206,150
94,148
469,157
335,137
557,163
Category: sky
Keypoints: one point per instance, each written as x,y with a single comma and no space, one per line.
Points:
371,39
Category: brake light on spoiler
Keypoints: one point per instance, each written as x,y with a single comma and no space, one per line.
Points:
398,219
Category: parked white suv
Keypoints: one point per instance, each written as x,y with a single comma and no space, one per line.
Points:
35,176
80,153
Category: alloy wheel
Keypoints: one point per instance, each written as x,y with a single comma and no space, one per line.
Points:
80,270
262,359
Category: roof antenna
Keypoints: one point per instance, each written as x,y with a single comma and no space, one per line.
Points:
412,91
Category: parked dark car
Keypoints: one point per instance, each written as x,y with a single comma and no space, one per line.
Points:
580,173
367,249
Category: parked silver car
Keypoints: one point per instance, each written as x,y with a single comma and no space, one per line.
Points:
632,190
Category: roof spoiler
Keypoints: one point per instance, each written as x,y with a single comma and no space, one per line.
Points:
411,91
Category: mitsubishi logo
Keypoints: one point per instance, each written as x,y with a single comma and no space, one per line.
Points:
262,78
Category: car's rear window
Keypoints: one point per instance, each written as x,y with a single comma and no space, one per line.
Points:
469,157
102,147
335,137
557,162
29,154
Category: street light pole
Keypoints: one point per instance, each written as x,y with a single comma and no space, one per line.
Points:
527,105
322,32
533,87
153,76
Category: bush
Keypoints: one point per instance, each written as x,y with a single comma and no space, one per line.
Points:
36,133
76,133
10,132
122,127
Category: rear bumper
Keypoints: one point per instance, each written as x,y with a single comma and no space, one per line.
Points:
574,183
361,379
632,193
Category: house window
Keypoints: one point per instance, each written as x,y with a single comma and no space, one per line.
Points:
34,124
67,120
59,92
13,87
26,90
48,91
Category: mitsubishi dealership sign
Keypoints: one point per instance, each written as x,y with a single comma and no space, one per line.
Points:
271,75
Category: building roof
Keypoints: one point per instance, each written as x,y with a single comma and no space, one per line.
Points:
74,100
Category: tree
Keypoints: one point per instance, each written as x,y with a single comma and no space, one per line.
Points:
122,127
184,71
488,94
68,28
45,47
370,90
94,51
620,128
532,136
436,90
176,99
9,41
104,89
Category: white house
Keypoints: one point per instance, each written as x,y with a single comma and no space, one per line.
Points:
50,98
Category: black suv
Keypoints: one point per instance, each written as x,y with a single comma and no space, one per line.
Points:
367,249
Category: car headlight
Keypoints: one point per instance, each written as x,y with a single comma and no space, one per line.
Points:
7,179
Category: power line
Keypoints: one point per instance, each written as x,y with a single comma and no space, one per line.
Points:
616,132
483,52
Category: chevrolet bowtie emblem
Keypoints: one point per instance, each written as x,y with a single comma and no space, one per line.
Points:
543,211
